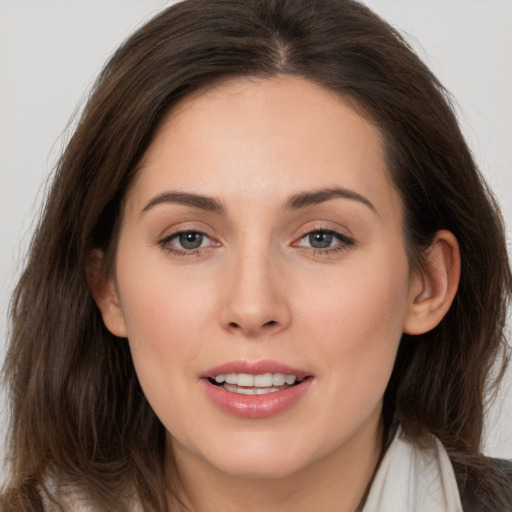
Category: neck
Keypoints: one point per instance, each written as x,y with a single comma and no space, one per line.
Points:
336,482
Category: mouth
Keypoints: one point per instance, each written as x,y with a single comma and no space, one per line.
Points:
260,384
256,390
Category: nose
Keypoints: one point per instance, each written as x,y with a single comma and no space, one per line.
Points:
255,297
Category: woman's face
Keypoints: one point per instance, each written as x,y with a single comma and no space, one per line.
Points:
263,236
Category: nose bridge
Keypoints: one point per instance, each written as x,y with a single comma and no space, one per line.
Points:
255,302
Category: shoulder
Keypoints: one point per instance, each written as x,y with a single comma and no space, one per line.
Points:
77,503
72,497
485,485
503,465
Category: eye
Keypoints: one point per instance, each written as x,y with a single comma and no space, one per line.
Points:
189,240
320,239
184,243
324,240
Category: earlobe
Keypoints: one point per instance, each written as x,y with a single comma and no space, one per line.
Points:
434,286
105,295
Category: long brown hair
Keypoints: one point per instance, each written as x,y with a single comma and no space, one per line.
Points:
78,415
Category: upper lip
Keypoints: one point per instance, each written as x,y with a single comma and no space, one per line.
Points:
254,368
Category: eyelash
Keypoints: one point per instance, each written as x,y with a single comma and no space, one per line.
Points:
165,244
344,242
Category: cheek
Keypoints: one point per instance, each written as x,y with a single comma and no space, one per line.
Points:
163,304
162,315
356,319
164,325
165,311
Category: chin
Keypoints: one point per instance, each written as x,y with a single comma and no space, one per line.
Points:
257,467
264,457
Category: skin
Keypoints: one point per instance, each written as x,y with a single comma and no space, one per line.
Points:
256,289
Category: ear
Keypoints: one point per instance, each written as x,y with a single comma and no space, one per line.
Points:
434,285
104,292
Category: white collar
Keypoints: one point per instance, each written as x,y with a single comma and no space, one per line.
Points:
412,479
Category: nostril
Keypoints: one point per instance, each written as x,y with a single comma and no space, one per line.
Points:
271,323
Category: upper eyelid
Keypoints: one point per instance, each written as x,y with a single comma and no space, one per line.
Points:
341,236
185,227
171,236
313,227
178,232
326,230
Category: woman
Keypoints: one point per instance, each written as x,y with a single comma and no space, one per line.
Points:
268,275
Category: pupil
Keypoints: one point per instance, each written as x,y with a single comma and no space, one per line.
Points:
191,240
320,239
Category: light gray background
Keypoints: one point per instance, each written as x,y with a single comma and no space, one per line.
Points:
51,50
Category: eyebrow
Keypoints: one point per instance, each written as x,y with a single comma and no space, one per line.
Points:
295,202
208,204
314,197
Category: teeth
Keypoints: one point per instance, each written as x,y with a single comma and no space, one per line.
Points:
244,379
290,379
230,378
264,381
249,391
278,379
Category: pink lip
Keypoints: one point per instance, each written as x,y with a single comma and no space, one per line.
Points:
255,406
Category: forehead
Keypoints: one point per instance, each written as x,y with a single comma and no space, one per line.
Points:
266,136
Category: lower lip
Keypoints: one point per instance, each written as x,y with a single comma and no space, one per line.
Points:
255,406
